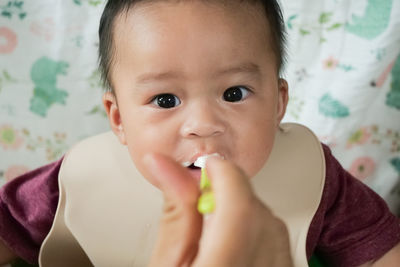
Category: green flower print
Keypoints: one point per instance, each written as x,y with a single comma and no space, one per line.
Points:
5,78
374,135
54,146
98,109
10,138
13,8
332,63
373,22
44,74
90,2
396,164
95,82
95,79
295,107
331,107
393,97
323,25
359,137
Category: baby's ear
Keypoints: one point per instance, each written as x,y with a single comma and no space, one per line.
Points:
283,97
114,116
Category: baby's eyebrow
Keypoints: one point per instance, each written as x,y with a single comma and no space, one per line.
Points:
245,68
150,77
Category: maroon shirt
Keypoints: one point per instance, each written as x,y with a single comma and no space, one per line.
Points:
352,226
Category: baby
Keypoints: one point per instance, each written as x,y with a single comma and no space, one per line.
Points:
191,78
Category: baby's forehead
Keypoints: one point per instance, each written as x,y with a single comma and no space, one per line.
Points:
198,41
116,24
158,8
153,17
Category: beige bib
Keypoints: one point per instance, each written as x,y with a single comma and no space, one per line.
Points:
108,213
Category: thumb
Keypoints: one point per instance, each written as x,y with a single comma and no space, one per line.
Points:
171,178
227,229
180,225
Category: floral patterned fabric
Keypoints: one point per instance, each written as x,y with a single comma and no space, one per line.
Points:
343,70
344,77
50,91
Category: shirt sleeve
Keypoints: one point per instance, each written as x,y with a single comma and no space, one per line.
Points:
353,225
27,208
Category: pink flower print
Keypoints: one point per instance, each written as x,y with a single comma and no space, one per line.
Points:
362,167
8,40
15,171
44,28
330,63
359,137
10,138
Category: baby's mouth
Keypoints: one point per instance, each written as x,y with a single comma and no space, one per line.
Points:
193,167
195,172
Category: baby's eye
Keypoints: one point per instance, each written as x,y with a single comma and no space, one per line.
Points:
236,94
166,101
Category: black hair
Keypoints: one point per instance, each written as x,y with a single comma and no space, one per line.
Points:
113,8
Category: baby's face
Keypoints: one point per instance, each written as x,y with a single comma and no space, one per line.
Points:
194,79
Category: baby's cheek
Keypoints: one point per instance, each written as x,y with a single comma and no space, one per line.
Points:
137,160
255,165
255,157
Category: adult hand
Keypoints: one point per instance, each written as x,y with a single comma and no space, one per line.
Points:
242,231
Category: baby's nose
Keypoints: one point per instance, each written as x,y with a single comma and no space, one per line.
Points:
203,121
